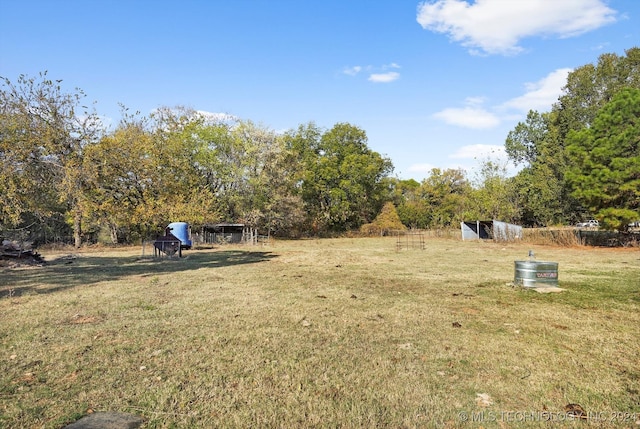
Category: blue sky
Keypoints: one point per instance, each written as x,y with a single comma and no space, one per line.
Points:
434,84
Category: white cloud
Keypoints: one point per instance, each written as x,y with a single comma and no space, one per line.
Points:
542,94
352,71
384,77
377,74
472,116
497,26
474,101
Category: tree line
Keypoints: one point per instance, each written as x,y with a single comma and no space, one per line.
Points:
580,160
65,175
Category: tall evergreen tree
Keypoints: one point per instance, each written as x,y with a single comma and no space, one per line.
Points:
540,143
605,169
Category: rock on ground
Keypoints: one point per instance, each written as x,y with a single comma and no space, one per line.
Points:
107,420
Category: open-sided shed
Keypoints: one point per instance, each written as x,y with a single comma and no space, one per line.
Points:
223,233
490,230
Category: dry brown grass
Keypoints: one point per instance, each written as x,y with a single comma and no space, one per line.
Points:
322,333
553,236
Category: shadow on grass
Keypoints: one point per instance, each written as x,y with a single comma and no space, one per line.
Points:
64,273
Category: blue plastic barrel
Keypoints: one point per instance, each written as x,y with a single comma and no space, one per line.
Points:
182,231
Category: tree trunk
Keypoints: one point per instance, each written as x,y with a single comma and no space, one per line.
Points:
77,228
113,230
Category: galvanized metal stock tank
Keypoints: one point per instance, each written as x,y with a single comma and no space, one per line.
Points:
536,273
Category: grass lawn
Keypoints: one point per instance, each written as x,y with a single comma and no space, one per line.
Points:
322,333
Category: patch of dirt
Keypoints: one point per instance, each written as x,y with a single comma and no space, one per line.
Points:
81,319
548,289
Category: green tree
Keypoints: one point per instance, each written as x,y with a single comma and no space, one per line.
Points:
278,204
148,172
120,192
27,181
302,146
180,154
446,196
540,195
493,196
265,196
525,142
540,185
540,143
43,135
405,195
605,171
342,184
591,86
